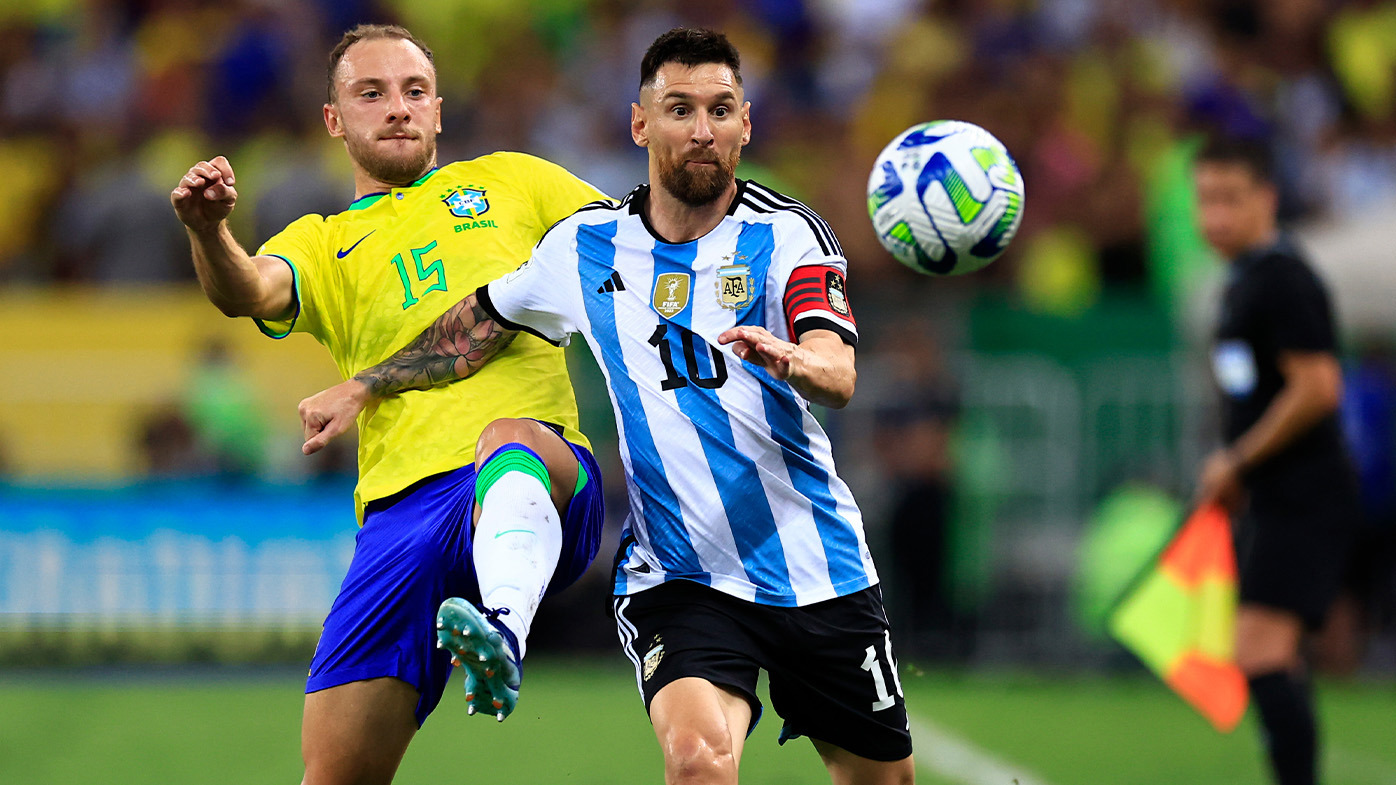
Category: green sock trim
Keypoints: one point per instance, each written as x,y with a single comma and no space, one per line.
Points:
582,479
510,460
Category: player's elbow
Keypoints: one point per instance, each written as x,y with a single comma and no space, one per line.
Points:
850,383
227,299
1328,395
838,376
1325,386
847,394
258,306
235,309
1316,381
841,393
229,309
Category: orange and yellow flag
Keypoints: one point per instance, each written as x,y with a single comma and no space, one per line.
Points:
1180,618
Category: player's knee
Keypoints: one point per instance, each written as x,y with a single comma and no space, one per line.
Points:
1258,661
692,757
504,431
1266,642
903,772
327,763
1261,654
897,775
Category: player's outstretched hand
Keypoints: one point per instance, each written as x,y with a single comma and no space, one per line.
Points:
205,194
759,347
329,413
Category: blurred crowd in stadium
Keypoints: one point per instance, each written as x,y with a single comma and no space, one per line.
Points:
105,103
102,103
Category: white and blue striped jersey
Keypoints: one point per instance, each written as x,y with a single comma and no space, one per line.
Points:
731,480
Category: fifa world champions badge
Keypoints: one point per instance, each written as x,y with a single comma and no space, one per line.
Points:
734,286
467,202
670,294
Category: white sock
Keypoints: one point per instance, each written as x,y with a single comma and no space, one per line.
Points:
517,542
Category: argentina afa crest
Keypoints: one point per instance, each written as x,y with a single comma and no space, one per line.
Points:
734,286
653,657
467,202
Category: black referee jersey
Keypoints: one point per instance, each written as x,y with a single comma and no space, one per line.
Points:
1273,303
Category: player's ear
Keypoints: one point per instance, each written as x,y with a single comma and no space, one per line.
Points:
332,121
439,99
746,123
638,130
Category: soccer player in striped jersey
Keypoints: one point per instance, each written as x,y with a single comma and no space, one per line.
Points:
718,312
363,282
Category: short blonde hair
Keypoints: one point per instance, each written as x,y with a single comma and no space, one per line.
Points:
368,33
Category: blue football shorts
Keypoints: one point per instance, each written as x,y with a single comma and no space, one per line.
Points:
413,551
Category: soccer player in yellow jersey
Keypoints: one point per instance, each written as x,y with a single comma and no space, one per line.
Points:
501,452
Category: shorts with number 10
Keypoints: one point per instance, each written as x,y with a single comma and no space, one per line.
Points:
833,673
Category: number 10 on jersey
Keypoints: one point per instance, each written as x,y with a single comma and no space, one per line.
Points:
673,379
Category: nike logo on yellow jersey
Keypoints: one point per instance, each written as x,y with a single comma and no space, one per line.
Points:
341,253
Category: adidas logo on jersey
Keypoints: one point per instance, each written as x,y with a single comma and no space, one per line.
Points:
613,284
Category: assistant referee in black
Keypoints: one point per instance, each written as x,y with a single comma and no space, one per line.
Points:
1284,472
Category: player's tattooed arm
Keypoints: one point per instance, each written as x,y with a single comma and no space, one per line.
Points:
455,346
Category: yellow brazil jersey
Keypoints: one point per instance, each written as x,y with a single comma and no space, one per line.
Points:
370,279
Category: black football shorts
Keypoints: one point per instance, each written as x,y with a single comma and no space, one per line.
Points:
833,673
1293,555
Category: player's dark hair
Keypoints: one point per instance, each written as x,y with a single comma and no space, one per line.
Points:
368,33
1253,155
689,46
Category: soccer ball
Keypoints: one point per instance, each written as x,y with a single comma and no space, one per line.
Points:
945,198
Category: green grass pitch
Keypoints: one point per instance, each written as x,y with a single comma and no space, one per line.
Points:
580,723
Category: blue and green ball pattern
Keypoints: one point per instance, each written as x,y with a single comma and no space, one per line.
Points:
945,198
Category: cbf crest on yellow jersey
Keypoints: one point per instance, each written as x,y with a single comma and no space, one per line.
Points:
370,279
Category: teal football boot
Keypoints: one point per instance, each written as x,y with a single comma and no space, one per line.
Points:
486,650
